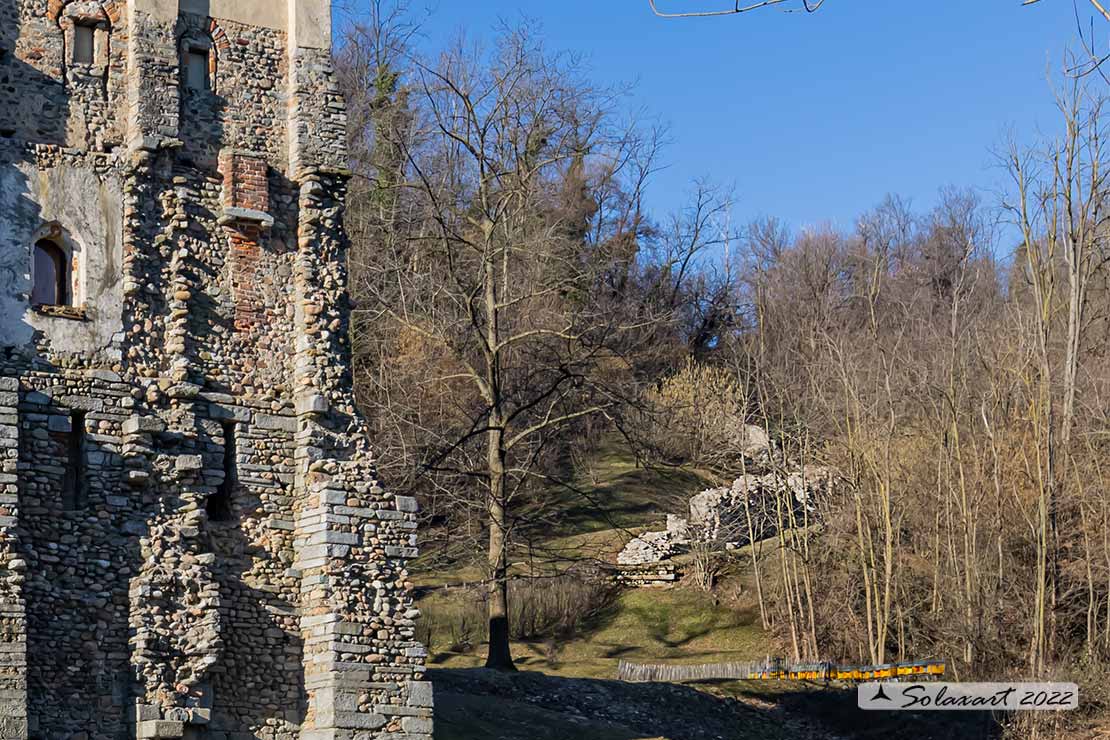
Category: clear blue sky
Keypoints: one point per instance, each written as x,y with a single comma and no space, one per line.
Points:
814,118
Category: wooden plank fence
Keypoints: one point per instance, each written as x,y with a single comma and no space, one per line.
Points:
775,669
646,673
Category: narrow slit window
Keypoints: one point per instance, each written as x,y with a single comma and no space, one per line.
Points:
196,70
74,489
51,286
84,44
219,503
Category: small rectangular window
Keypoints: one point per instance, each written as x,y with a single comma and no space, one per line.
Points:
196,70
74,490
218,505
84,44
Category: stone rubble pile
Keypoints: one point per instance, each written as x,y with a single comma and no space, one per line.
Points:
753,441
750,508
728,517
654,547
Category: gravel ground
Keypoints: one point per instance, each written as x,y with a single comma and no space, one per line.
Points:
488,705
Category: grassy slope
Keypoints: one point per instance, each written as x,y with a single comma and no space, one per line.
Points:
681,625
594,518
616,493
597,513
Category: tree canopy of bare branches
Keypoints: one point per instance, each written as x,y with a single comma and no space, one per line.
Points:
498,228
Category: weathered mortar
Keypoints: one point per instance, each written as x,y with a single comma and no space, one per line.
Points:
210,283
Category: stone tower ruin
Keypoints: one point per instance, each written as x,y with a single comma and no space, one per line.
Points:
193,543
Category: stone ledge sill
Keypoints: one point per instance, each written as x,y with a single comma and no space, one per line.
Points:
72,313
249,215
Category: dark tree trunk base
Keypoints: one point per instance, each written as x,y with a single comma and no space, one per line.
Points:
500,657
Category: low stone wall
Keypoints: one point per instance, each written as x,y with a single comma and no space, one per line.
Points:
651,575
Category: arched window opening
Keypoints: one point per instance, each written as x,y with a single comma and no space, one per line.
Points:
51,273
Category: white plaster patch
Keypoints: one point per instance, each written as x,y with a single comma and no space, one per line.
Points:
307,21
90,213
15,256
310,24
264,13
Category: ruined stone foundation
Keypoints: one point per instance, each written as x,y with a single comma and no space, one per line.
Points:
193,541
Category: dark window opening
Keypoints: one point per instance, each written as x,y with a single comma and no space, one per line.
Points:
219,503
84,44
196,70
74,490
51,287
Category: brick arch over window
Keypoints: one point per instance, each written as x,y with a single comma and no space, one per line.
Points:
87,29
212,44
219,37
113,9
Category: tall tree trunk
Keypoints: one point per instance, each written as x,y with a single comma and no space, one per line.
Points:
500,653
764,620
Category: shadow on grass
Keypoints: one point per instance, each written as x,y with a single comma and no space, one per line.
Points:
664,629
616,651
632,499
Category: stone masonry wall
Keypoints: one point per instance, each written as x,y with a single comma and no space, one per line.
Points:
73,591
13,620
364,670
193,541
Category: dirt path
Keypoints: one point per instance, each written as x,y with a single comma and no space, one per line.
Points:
485,705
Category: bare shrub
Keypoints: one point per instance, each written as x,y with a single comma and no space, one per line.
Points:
559,606
705,564
697,415
550,609
453,622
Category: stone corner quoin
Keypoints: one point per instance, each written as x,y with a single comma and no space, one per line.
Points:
193,541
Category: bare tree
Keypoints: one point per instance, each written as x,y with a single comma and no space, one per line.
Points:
809,6
1098,6
498,271
1061,211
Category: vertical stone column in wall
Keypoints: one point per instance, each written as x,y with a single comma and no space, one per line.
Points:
317,113
364,669
13,622
324,540
176,632
153,72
